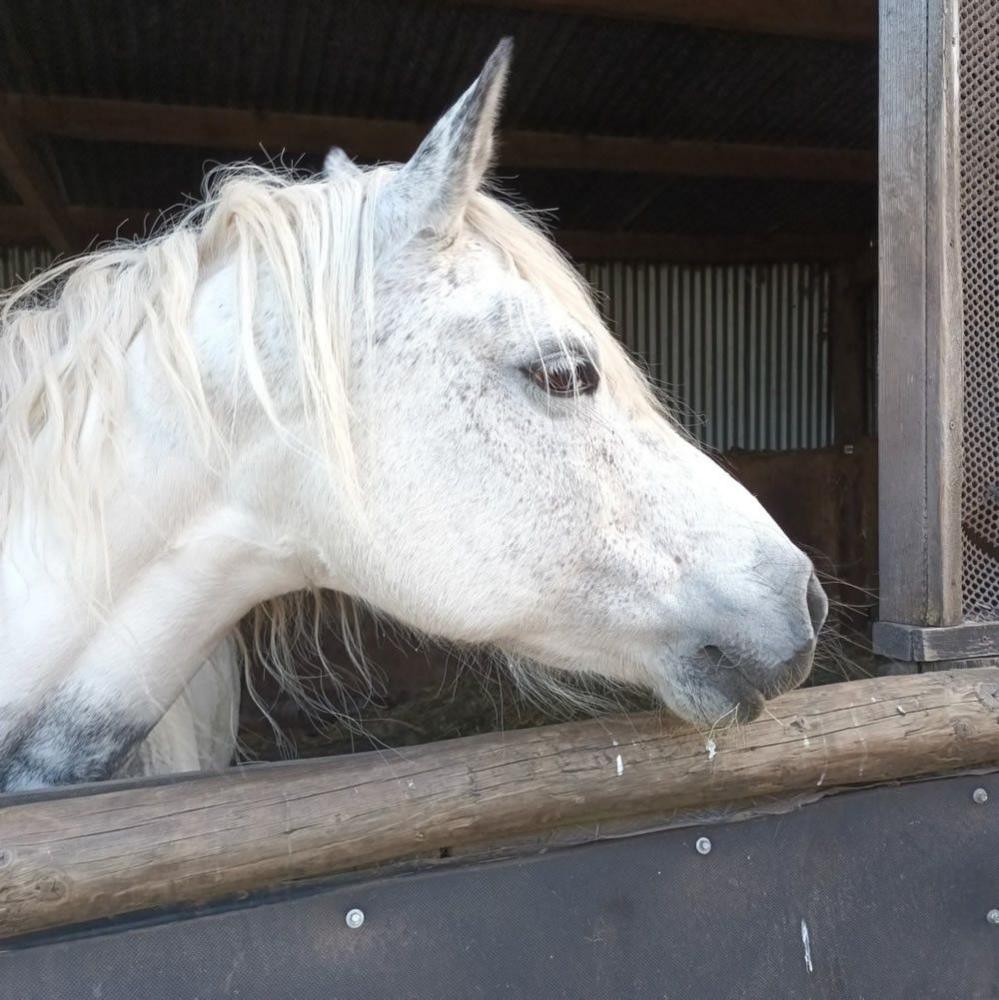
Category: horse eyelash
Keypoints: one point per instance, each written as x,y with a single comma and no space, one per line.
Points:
541,371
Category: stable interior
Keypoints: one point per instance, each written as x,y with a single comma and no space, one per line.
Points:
713,173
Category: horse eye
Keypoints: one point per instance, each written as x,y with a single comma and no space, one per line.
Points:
565,377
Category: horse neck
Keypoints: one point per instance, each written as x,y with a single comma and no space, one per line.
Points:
78,687
185,563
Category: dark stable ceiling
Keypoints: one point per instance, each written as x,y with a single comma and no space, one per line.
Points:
406,61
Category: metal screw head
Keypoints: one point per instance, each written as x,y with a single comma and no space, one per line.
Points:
979,796
354,918
993,917
703,845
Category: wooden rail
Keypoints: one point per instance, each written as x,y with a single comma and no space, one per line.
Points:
372,139
29,178
847,20
66,860
20,227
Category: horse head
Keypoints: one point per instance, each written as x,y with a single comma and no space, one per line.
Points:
384,382
524,488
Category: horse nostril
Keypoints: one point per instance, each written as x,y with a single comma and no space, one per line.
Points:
717,657
818,603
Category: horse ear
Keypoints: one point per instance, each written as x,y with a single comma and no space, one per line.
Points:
431,190
339,164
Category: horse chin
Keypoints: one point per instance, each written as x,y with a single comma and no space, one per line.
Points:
703,691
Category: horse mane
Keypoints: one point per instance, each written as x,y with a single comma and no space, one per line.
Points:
65,332
64,335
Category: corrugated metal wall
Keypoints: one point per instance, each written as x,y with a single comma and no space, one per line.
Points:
17,264
742,350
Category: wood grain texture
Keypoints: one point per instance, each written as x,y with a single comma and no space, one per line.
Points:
379,139
928,645
66,860
694,248
95,223
902,313
919,324
29,178
854,20
848,355
944,319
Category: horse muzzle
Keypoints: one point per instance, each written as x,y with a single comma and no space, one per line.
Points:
731,679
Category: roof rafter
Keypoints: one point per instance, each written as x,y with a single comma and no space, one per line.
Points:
95,223
29,178
381,139
845,20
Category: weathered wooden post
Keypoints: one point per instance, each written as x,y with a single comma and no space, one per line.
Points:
937,334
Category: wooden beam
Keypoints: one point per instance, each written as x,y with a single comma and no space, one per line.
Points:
848,355
29,178
930,645
693,248
20,227
95,223
67,860
920,373
848,20
377,139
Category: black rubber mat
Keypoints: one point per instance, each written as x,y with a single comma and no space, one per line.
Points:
870,895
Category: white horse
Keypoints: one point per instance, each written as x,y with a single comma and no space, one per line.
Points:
383,382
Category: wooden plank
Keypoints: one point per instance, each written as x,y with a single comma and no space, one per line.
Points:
944,319
854,526
91,856
902,313
926,645
919,416
853,20
18,228
378,139
29,178
693,248
848,355
684,157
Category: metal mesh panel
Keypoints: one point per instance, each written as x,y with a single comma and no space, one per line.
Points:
980,277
